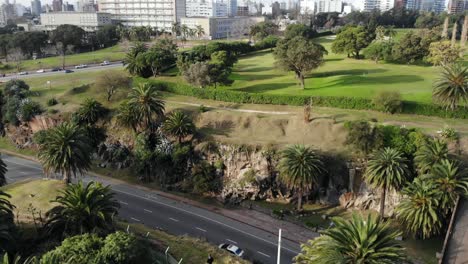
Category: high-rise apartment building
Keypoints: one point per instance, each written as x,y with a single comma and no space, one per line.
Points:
436,6
320,6
457,6
36,7
7,12
160,14
206,8
57,5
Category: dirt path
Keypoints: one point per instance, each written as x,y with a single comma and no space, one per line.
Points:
232,109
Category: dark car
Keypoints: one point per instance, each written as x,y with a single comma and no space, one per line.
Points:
67,71
56,69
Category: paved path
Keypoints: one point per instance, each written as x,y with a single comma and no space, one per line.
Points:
179,217
457,251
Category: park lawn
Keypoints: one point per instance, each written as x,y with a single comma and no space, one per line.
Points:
114,53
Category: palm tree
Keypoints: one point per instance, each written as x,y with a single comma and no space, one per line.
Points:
90,112
3,170
433,151
178,125
452,86
146,104
131,63
127,117
419,212
66,149
300,168
176,29
82,209
387,169
451,181
200,31
184,30
6,221
358,240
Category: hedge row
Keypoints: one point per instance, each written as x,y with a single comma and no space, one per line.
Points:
299,100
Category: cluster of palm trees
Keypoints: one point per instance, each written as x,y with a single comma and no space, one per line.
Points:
186,32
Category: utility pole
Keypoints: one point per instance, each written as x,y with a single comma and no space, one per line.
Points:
279,247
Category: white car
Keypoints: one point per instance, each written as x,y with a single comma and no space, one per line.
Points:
23,73
235,250
81,66
40,71
104,63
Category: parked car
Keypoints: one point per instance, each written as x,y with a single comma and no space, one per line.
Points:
235,250
67,71
23,73
81,66
104,63
40,71
2,75
56,69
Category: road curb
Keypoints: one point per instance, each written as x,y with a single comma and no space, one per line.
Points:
163,194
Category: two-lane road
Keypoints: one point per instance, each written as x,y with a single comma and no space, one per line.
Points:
155,211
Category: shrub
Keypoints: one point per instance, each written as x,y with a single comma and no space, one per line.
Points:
448,133
28,109
362,135
52,111
39,137
204,178
52,102
388,101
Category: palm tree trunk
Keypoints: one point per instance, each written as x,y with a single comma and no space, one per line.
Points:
299,200
382,201
66,177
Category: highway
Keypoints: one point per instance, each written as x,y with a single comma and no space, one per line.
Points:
48,72
141,206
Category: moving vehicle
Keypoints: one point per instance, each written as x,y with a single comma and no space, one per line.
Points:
104,63
40,71
235,250
23,73
56,69
67,71
81,66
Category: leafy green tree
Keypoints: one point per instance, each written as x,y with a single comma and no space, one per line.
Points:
84,248
414,45
161,56
90,112
111,81
452,86
65,150
419,212
178,125
430,153
299,55
359,240
300,169
123,248
379,50
147,105
386,169
442,53
28,109
107,36
364,136
82,209
388,101
261,30
3,170
198,74
451,181
294,30
428,20
68,35
351,40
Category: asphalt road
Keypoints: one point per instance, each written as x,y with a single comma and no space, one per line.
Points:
146,207
48,72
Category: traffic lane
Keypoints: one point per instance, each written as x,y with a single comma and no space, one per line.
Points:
172,220
52,73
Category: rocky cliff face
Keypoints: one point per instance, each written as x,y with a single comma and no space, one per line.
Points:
22,135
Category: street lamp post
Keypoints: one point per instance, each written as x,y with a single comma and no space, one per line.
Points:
279,247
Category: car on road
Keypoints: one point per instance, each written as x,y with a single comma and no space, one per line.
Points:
2,75
104,63
67,71
81,66
56,69
235,250
23,73
40,71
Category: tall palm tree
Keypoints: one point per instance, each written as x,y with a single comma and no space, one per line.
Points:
300,169
82,209
131,63
433,151
3,170
386,169
451,181
127,117
452,86
176,29
66,150
178,125
90,112
419,212
6,221
146,104
358,240
200,31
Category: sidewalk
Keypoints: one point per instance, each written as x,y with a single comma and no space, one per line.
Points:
253,218
457,251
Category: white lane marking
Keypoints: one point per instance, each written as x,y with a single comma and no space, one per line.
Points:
22,172
29,166
232,241
185,211
134,219
123,202
201,229
146,210
261,253
173,219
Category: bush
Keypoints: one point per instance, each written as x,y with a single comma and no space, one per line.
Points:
28,109
389,102
39,137
364,136
52,102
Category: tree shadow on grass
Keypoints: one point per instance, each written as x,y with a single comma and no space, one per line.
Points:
370,80
354,72
253,77
255,69
79,89
265,87
218,128
335,59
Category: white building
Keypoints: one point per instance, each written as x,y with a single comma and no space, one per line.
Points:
386,5
206,8
160,14
88,21
222,27
307,7
327,6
